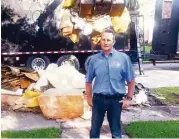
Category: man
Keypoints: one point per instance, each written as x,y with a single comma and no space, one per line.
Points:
110,69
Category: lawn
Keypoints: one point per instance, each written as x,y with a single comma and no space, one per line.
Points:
147,49
154,129
171,94
38,133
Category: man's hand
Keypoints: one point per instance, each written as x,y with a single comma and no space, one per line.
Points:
89,100
89,94
125,102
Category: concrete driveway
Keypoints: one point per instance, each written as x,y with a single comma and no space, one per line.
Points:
161,75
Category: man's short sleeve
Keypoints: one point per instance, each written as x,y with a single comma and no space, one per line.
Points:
90,72
128,70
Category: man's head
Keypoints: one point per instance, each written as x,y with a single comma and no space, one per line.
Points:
107,40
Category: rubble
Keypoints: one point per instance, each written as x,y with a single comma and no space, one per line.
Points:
8,92
141,95
61,88
8,99
13,78
57,92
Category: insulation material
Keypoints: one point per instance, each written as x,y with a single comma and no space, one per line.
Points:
29,99
29,93
65,100
69,3
102,23
65,19
43,77
96,39
90,24
61,107
67,31
74,36
47,20
121,23
66,79
32,102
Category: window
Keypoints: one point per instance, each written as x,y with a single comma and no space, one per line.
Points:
167,9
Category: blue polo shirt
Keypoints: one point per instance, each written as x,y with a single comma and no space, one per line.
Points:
110,72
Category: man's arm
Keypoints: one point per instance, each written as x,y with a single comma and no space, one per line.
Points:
89,78
131,87
130,78
89,93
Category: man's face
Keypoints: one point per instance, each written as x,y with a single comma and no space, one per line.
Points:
107,41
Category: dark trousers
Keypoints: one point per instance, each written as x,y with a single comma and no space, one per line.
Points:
113,107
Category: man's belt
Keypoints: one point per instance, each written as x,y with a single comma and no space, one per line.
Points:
116,96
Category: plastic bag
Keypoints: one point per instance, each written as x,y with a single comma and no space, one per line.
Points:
29,99
29,93
32,102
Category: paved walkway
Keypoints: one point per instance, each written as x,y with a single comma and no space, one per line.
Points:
79,128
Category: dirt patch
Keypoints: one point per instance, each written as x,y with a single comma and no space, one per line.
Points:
154,101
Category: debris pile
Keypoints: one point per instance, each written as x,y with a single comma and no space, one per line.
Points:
141,95
16,78
57,91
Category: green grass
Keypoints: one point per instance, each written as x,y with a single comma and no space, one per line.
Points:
38,133
154,129
171,94
147,49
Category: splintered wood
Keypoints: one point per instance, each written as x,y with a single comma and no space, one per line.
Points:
14,79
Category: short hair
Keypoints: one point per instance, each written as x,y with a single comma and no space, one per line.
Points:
109,30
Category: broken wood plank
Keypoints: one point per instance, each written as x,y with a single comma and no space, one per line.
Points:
24,83
11,80
32,76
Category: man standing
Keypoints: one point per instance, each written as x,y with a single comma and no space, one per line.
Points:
111,69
